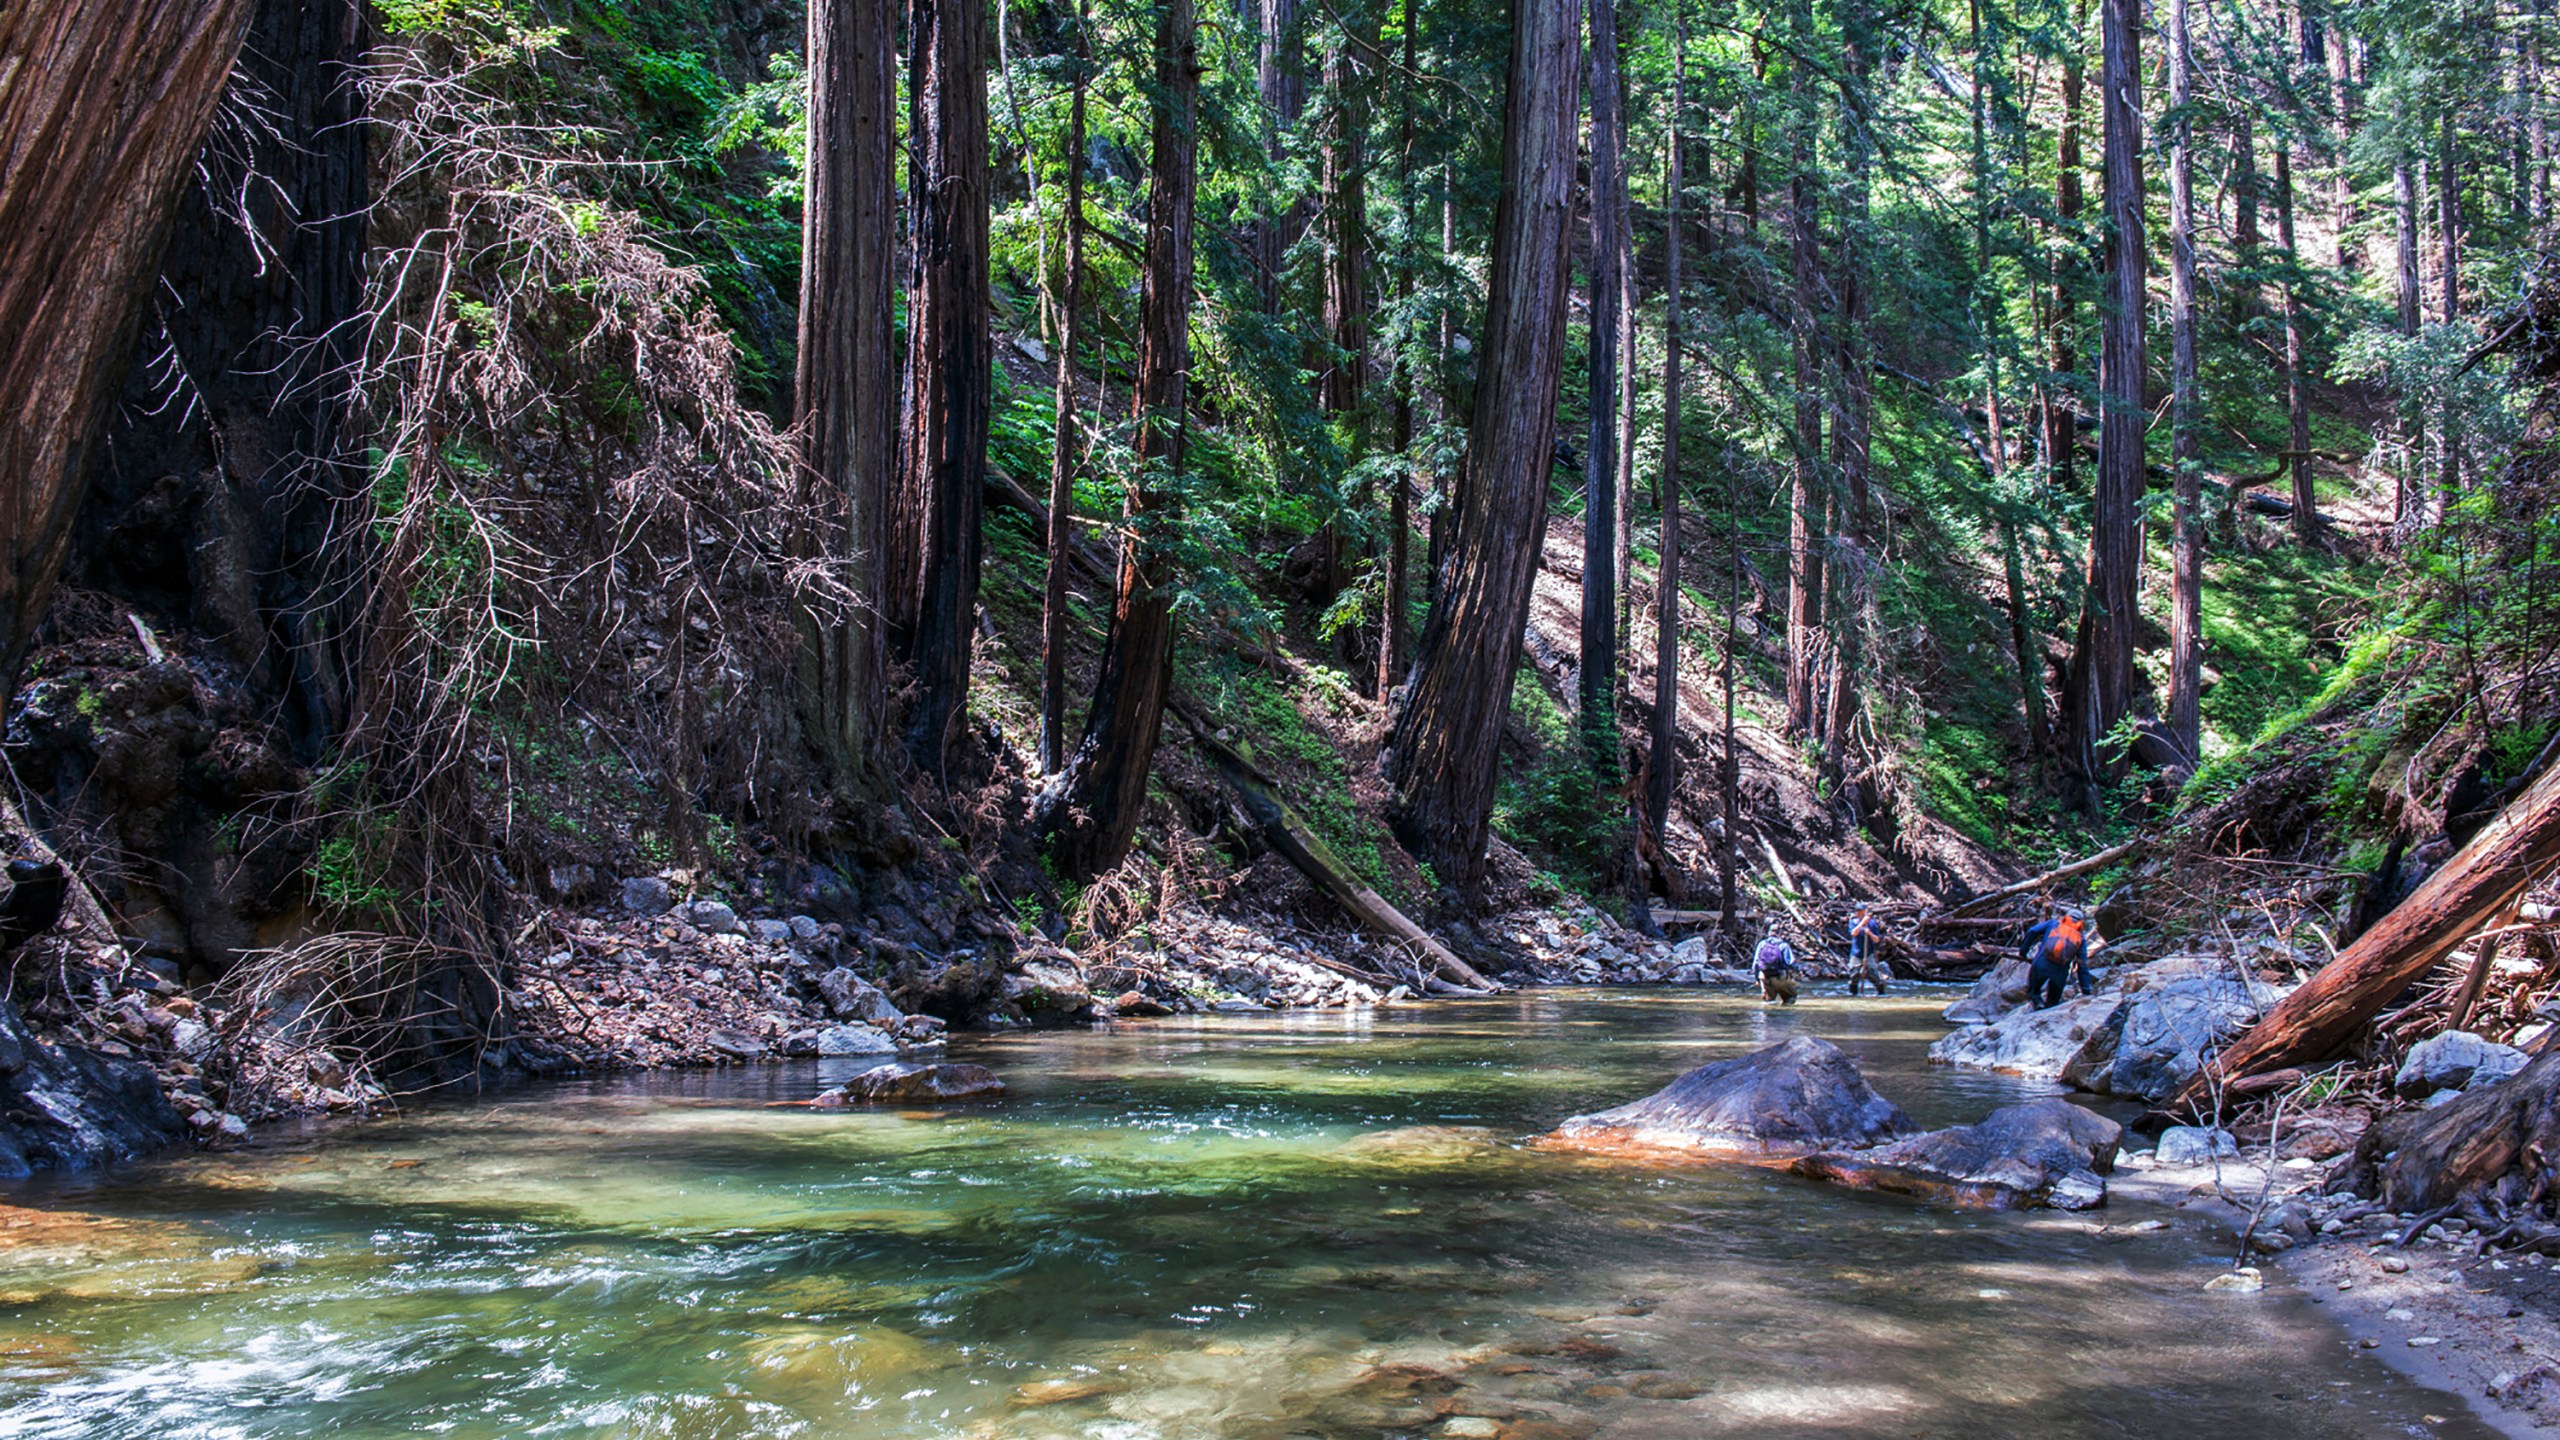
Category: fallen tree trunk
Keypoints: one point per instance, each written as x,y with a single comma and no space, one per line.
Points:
2497,1142
2457,902
2034,883
1286,833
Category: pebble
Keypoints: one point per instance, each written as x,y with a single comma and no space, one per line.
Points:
2243,1281
1472,1427
2421,1342
2400,1315
2394,1265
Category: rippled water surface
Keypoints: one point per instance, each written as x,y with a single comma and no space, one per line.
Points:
1320,1225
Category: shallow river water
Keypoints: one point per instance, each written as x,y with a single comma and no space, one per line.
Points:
1311,1225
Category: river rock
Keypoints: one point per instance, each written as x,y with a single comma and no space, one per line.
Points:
850,997
1996,994
2075,1037
2019,1156
1050,990
1797,1096
907,1084
2454,1060
646,895
833,1040
66,1108
711,917
2184,1145
1139,1004
771,932
2176,1011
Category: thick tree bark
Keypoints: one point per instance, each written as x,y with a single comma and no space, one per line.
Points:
1439,758
1852,431
1391,609
2111,617
101,110
2297,398
214,496
1092,808
2457,902
1278,76
2186,613
950,367
1066,446
844,397
2449,249
1597,681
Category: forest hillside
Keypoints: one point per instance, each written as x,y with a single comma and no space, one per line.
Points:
564,534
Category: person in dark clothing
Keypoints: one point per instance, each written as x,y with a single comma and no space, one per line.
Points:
1866,933
2056,948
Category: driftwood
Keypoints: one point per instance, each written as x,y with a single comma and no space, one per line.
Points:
2496,1144
2476,980
1286,833
2034,883
1699,917
2466,896
1786,882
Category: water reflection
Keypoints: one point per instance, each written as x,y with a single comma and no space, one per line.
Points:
1317,1225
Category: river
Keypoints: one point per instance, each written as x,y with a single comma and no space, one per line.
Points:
1318,1224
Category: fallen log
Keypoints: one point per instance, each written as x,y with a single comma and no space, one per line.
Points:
1981,922
2034,883
1288,834
1786,882
2494,1142
1700,917
2458,901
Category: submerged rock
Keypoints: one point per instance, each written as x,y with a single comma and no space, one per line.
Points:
906,1084
2454,1060
2046,1152
1790,1098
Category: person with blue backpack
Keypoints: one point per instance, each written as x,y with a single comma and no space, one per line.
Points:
2056,948
1774,963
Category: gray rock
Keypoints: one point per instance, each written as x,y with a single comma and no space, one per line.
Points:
2018,1156
1994,995
1051,991
804,929
850,997
2454,1060
66,1108
1797,1096
771,932
917,1029
2075,1037
573,884
2176,1011
833,1040
733,1043
711,917
191,1038
646,895
1692,952
908,1084
2184,1145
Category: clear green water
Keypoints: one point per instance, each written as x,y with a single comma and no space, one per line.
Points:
1318,1225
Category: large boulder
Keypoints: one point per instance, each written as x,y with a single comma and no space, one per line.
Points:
1791,1098
2075,1037
66,1108
2046,1152
850,997
1996,994
2141,1036
2454,1060
906,1084
1049,991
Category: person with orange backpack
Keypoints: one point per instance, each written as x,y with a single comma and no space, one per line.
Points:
2056,947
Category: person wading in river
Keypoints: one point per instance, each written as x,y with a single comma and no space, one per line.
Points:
1775,963
1866,934
2056,947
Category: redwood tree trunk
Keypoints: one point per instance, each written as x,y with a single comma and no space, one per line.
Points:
1597,690
2404,209
1804,509
950,364
2061,421
101,110
1066,448
2186,613
846,379
2297,399
1391,609
1346,294
1440,756
2110,614
1092,810
1663,765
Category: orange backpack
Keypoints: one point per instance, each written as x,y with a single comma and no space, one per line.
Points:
2064,937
